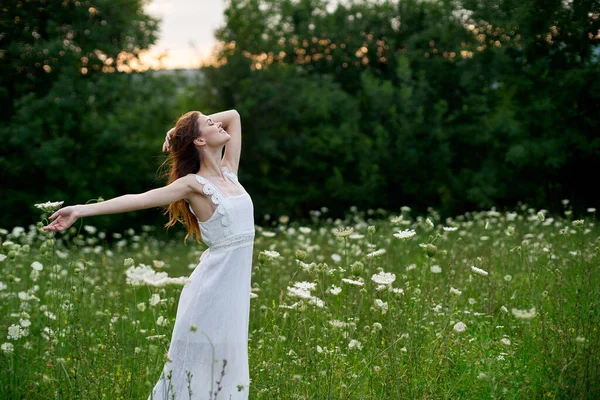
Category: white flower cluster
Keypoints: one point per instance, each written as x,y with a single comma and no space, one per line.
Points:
524,314
383,305
384,278
49,206
455,291
302,290
335,290
478,271
144,275
343,232
17,331
376,253
405,234
271,254
460,327
354,344
359,282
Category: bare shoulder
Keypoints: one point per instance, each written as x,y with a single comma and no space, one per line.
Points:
195,186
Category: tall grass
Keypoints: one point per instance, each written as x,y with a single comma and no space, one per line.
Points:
489,304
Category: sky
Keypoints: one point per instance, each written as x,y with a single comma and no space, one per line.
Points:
186,32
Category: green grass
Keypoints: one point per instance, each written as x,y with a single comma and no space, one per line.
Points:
86,331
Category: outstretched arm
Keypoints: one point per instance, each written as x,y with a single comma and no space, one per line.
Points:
66,216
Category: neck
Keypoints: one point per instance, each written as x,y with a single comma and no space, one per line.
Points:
210,164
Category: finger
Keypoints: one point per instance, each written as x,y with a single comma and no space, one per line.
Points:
53,216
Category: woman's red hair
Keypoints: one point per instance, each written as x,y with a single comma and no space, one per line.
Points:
183,159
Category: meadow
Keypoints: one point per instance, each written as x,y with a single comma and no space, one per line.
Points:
378,305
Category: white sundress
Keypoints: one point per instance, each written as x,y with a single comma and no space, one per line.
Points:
211,324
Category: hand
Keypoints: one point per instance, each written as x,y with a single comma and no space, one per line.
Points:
65,217
167,144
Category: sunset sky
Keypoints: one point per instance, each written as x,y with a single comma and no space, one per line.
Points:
186,32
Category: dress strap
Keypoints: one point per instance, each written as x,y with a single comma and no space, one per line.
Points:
232,176
219,199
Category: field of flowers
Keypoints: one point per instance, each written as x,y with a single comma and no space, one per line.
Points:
380,305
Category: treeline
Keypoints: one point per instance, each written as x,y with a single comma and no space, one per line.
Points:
427,104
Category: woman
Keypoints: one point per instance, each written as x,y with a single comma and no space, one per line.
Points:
208,354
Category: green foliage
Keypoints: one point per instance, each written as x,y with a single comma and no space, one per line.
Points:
458,107
73,128
372,105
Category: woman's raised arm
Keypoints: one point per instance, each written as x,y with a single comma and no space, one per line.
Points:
66,216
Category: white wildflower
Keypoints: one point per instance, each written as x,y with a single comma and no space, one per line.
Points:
343,231
154,299
460,327
505,341
128,262
297,292
478,271
383,278
7,348
335,290
49,206
455,291
268,234
15,332
382,304
524,314
271,254
541,216
405,234
450,228
376,253
305,285
145,275
37,266
90,229
353,282
354,344
436,269
316,301
337,323
155,337
429,223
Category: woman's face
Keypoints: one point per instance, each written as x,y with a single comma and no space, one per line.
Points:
212,132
